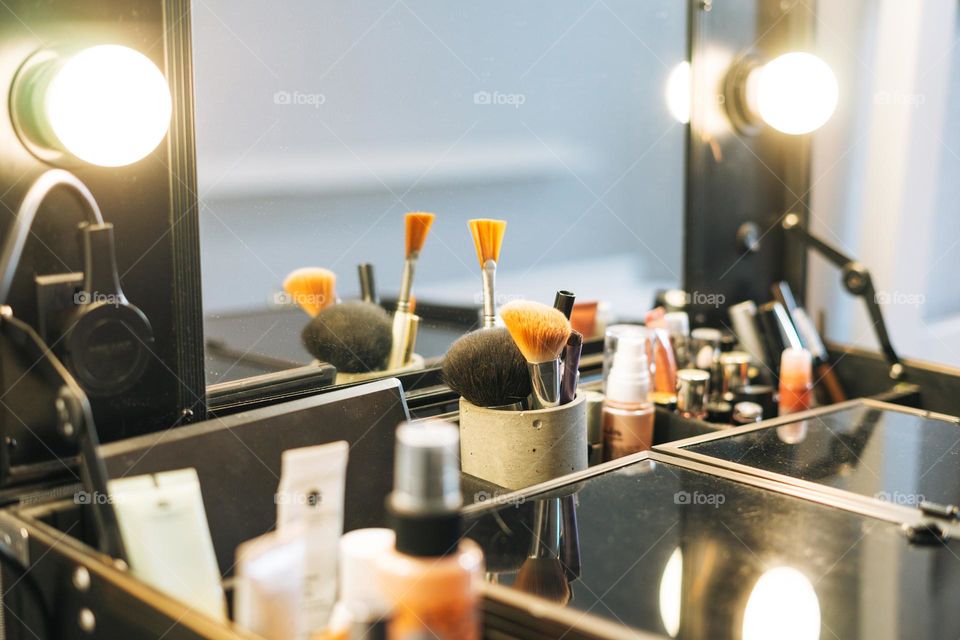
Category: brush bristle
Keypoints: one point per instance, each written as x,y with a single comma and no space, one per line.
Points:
540,331
354,336
486,368
418,226
487,238
544,577
313,288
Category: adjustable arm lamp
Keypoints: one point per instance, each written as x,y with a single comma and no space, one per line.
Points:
856,280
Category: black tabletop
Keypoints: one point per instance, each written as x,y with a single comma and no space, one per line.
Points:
682,553
895,456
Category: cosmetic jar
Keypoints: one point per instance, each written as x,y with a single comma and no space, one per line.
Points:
692,387
747,413
736,372
704,347
760,394
516,449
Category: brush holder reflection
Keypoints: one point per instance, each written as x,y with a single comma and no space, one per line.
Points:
517,449
416,363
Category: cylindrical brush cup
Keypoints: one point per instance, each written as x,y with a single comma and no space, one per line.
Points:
517,449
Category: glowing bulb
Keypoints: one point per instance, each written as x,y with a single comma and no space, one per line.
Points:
108,105
782,605
678,92
795,93
671,593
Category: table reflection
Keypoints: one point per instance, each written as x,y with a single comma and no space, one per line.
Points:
683,554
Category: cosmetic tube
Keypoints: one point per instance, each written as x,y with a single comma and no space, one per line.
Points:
796,381
627,411
310,496
268,596
432,577
167,538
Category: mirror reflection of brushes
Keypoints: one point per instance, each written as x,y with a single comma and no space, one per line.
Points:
353,336
542,573
487,239
417,227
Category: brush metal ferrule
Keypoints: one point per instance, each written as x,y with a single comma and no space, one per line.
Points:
489,298
545,381
406,283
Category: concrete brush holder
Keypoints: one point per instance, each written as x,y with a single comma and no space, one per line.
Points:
516,449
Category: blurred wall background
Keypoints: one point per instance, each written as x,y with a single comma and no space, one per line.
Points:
320,123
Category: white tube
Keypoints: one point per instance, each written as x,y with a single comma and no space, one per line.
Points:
312,483
167,539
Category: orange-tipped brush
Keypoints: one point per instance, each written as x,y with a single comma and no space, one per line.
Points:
541,333
313,288
418,225
488,238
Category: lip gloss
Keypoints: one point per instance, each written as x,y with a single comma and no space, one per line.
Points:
796,381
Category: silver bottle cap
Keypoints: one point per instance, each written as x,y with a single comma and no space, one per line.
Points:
747,413
427,471
692,387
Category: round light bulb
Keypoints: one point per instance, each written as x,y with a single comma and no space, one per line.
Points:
782,605
795,93
678,92
108,105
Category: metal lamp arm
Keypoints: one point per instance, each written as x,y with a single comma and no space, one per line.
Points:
857,281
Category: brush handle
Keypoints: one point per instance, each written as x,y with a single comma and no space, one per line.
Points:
570,538
571,372
489,299
410,343
368,288
406,283
546,529
545,381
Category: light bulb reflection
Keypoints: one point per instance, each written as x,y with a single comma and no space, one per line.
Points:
678,92
782,605
108,105
671,593
795,93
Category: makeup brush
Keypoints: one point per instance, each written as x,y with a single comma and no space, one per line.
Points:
542,573
368,287
541,333
312,288
487,238
353,336
486,367
417,227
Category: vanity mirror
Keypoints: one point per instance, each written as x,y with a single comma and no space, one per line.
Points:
320,125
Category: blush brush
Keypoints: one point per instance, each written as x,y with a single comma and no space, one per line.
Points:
541,333
417,227
488,238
